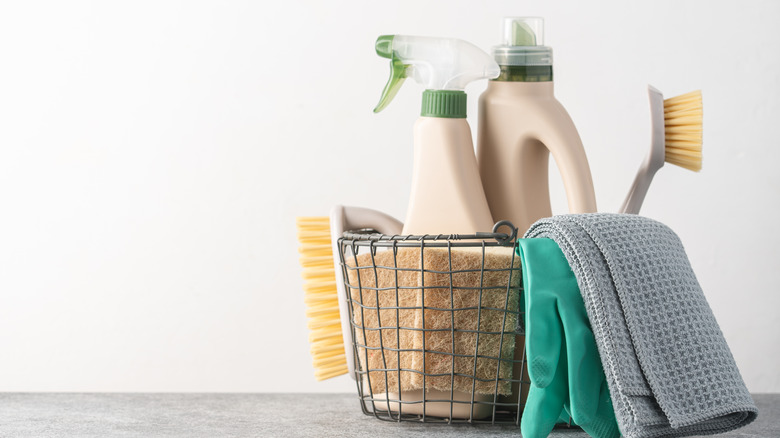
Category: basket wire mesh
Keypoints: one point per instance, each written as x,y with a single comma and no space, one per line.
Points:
436,324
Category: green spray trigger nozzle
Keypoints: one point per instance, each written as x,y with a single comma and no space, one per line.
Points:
435,63
384,48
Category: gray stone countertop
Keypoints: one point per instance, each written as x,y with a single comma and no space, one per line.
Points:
44,415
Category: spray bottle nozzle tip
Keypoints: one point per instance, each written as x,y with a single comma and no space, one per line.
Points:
384,46
523,31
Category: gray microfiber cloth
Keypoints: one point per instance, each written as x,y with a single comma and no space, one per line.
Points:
669,370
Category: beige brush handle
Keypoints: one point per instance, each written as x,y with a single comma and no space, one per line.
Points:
636,194
352,218
654,159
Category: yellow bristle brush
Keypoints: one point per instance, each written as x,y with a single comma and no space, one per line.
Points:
677,139
330,332
321,299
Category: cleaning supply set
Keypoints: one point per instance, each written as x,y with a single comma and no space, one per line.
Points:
446,199
429,317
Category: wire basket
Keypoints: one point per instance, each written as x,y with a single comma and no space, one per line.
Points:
436,325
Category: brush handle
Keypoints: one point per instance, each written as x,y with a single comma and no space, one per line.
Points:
352,218
636,194
655,157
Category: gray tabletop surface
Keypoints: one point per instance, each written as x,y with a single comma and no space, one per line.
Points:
250,415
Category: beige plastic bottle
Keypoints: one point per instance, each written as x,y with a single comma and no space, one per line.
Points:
447,195
520,125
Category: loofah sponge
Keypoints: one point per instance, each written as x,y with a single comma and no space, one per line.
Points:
436,311
384,300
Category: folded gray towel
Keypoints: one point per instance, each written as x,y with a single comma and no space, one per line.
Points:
669,370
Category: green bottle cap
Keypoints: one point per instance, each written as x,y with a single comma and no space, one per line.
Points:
444,103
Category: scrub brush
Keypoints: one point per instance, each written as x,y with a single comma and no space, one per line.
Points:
677,139
322,306
327,309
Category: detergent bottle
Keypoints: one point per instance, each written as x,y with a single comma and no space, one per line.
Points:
520,124
447,195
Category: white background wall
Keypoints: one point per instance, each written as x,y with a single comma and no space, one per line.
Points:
154,155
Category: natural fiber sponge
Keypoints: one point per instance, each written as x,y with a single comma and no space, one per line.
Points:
384,301
482,335
437,311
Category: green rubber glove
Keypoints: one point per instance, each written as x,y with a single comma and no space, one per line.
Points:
563,362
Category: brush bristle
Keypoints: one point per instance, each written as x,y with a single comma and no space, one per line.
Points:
321,297
683,129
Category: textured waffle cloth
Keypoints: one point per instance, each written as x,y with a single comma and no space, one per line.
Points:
669,370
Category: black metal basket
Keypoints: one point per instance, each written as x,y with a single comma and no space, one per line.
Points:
436,325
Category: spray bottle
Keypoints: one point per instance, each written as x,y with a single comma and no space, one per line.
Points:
447,195
520,124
